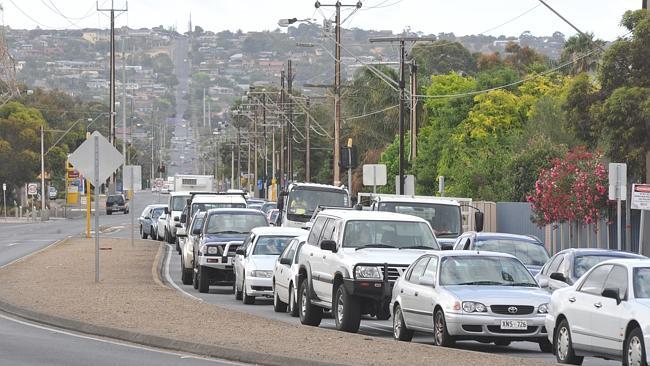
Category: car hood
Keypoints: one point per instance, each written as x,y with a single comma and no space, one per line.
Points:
504,295
223,238
263,262
384,255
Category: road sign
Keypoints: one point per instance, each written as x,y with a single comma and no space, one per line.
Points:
617,181
640,197
4,186
159,182
83,159
32,189
374,175
409,185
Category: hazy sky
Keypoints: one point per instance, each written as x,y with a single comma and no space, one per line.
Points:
429,16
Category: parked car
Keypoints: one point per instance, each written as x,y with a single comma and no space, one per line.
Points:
567,266
254,261
268,206
150,215
189,239
115,203
467,295
223,231
604,314
351,261
285,273
52,192
529,250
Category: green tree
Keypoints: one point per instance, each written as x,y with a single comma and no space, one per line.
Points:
443,57
579,50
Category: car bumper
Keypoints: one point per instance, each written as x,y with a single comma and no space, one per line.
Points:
259,286
470,326
372,289
216,262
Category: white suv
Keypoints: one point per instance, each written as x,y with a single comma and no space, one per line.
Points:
351,260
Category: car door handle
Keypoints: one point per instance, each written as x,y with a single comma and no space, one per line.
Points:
401,291
311,254
416,294
598,305
324,257
572,299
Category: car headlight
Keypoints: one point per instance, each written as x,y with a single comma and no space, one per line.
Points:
542,309
474,307
367,272
262,274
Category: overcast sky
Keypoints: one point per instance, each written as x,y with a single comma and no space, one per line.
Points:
429,16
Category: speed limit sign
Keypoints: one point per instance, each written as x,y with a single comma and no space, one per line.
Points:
32,189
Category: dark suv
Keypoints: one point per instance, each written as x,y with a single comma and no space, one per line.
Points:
116,202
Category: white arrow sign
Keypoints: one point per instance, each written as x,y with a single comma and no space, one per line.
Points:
83,159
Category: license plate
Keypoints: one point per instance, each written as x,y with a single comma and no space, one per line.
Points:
514,324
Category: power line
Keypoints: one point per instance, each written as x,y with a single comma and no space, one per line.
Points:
28,16
371,113
511,20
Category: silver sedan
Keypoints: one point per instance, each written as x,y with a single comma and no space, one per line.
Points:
466,295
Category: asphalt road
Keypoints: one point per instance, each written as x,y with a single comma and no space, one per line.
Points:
224,296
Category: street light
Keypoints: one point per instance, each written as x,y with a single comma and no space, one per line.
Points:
287,22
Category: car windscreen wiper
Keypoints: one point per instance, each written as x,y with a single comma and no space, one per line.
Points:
441,235
227,232
480,283
417,247
375,246
522,284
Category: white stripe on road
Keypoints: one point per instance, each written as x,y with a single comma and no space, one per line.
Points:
168,278
33,253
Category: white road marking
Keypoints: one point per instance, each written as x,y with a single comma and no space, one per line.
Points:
168,278
33,253
117,343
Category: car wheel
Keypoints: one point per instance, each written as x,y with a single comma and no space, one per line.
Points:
634,349
204,286
502,343
151,234
346,310
238,294
248,300
293,308
109,212
441,336
545,346
195,279
142,233
309,313
564,352
186,273
278,306
400,331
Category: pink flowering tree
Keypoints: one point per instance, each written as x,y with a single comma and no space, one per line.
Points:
574,189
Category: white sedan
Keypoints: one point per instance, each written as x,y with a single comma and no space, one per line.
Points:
606,314
284,276
467,295
253,264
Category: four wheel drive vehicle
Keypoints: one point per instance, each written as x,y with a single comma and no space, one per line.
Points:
604,314
298,203
567,266
150,215
461,295
52,193
528,249
254,261
223,231
115,203
351,261
175,205
189,240
285,273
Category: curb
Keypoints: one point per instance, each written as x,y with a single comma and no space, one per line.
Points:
225,353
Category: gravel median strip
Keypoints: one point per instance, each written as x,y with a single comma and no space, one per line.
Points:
130,303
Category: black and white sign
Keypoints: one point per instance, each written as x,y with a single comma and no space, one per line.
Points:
640,197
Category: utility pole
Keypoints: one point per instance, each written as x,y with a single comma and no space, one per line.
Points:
266,152
282,130
203,107
414,110
123,107
111,98
402,97
238,158
256,187
337,86
290,123
307,143
43,216
232,166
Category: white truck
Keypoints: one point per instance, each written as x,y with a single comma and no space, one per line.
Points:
298,203
196,183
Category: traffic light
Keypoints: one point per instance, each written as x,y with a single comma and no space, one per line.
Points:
348,157
161,169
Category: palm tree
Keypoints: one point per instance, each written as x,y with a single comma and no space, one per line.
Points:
579,50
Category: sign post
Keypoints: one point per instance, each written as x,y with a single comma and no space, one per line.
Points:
374,175
4,197
96,143
617,191
641,201
32,190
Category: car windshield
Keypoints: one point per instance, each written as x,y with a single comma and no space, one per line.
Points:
156,212
271,245
202,207
484,270
531,254
444,219
583,263
115,199
388,234
268,207
198,222
305,201
231,223
178,202
642,283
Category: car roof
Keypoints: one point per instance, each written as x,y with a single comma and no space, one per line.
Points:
157,205
439,201
277,230
180,193
239,211
315,185
470,253
600,251
494,235
628,262
370,215
218,198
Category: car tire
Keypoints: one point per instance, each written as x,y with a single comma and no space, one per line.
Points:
151,234
278,306
143,235
441,336
634,349
563,346
186,273
248,300
346,310
238,294
502,343
545,346
309,314
109,212
400,331
292,307
204,284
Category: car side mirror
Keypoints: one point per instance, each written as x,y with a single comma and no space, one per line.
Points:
285,261
183,218
181,233
329,245
166,210
558,276
427,281
240,251
612,293
147,217
176,218
178,225
479,217
196,231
